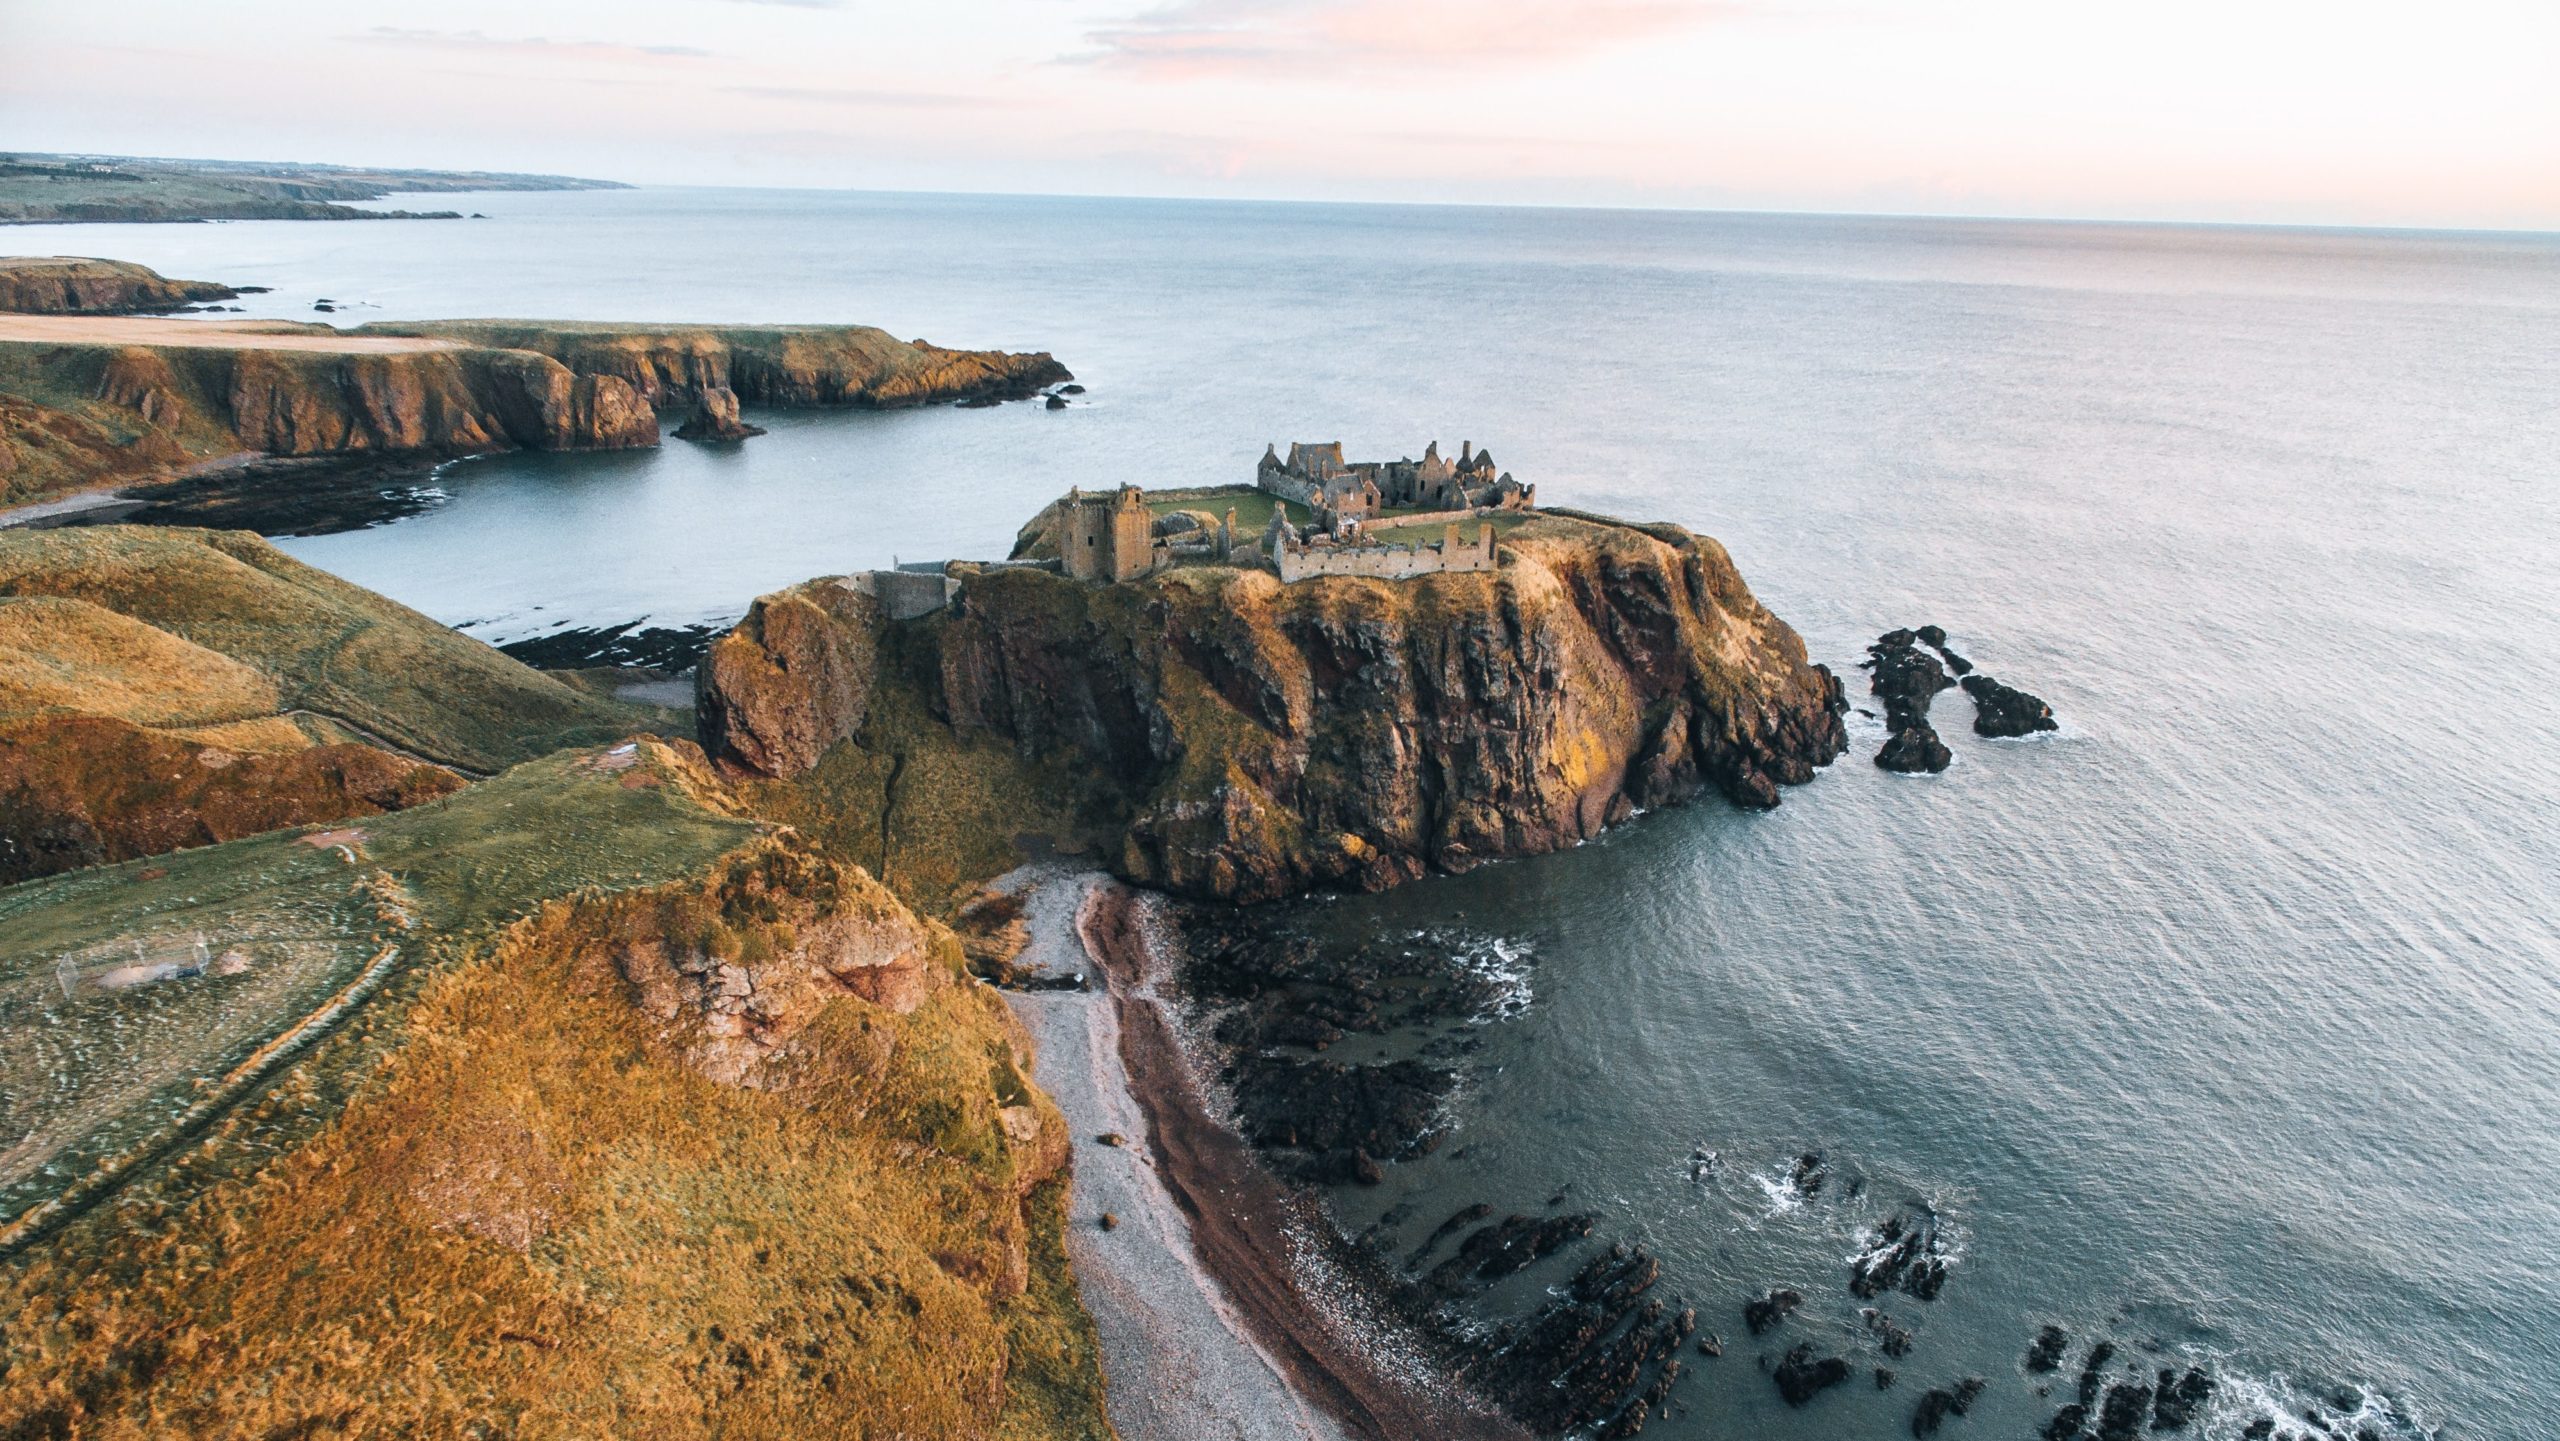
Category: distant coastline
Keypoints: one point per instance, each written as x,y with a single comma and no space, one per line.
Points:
49,189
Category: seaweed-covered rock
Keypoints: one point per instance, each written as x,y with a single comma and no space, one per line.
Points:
1802,1374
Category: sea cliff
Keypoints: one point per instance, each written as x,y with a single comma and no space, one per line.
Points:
1246,740
108,400
77,285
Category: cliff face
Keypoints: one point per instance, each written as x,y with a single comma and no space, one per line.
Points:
76,285
1267,738
80,413
781,365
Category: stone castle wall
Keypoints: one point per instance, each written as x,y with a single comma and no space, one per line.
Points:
1389,562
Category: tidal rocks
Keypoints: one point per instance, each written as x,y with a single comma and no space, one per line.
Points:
2045,1353
715,417
1802,1374
1907,679
2127,1407
1908,1254
1892,1337
2000,710
77,285
1915,750
2178,1399
2068,1424
1769,1308
1941,1402
1808,1174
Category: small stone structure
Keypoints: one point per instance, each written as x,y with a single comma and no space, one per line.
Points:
1344,493
911,590
1298,555
1116,536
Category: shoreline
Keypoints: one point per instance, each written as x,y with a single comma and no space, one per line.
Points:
1240,1225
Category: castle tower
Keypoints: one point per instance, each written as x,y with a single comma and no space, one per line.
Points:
1106,537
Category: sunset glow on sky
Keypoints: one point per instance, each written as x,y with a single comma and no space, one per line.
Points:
2443,114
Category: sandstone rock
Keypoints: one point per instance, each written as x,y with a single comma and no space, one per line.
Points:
715,417
793,678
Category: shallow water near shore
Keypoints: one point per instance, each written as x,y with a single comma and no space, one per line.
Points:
2223,1021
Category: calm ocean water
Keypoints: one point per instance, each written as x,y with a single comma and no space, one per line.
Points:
2225,1022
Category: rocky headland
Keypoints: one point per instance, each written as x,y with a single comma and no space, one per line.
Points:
1243,740
52,189
78,285
86,402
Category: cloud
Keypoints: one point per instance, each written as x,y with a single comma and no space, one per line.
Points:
875,99
1191,39
532,46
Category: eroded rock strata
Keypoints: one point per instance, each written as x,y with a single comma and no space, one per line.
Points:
1259,739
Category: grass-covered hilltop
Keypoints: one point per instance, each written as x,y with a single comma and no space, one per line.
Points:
91,401
36,188
575,1100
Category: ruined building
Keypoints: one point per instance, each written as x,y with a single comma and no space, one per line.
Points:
1345,493
1106,536
1298,554
1116,536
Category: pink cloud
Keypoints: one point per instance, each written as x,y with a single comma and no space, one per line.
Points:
531,46
1196,38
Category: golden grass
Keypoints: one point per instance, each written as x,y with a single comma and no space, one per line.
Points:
500,1205
323,645
60,654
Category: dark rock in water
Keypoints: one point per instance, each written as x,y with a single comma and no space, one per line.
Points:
1465,1217
1915,750
1071,389
1711,1345
1932,636
673,649
2000,710
2068,1424
1939,1403
1809,1174
323,306
1770,1308
2128,1407
2258,1430
1905,677
1802,1375
1057,402
715,417
2093,1370
2046,1354
1506,1247
1907,1255
1891,1338
1956,665
1884,1378
311,495
2179,1398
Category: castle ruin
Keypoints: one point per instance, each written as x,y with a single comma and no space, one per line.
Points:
1115,536
1345,493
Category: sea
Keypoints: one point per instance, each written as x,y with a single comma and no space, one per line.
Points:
2222,1024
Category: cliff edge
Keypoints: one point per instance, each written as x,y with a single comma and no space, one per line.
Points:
79,285
1246,739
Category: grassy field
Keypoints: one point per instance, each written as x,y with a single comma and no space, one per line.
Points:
496,1201
163,626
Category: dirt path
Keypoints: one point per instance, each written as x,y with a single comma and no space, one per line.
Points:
213,334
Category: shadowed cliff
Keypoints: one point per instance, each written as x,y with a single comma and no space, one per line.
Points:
76,285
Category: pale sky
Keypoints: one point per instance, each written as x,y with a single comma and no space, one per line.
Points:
2426,112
